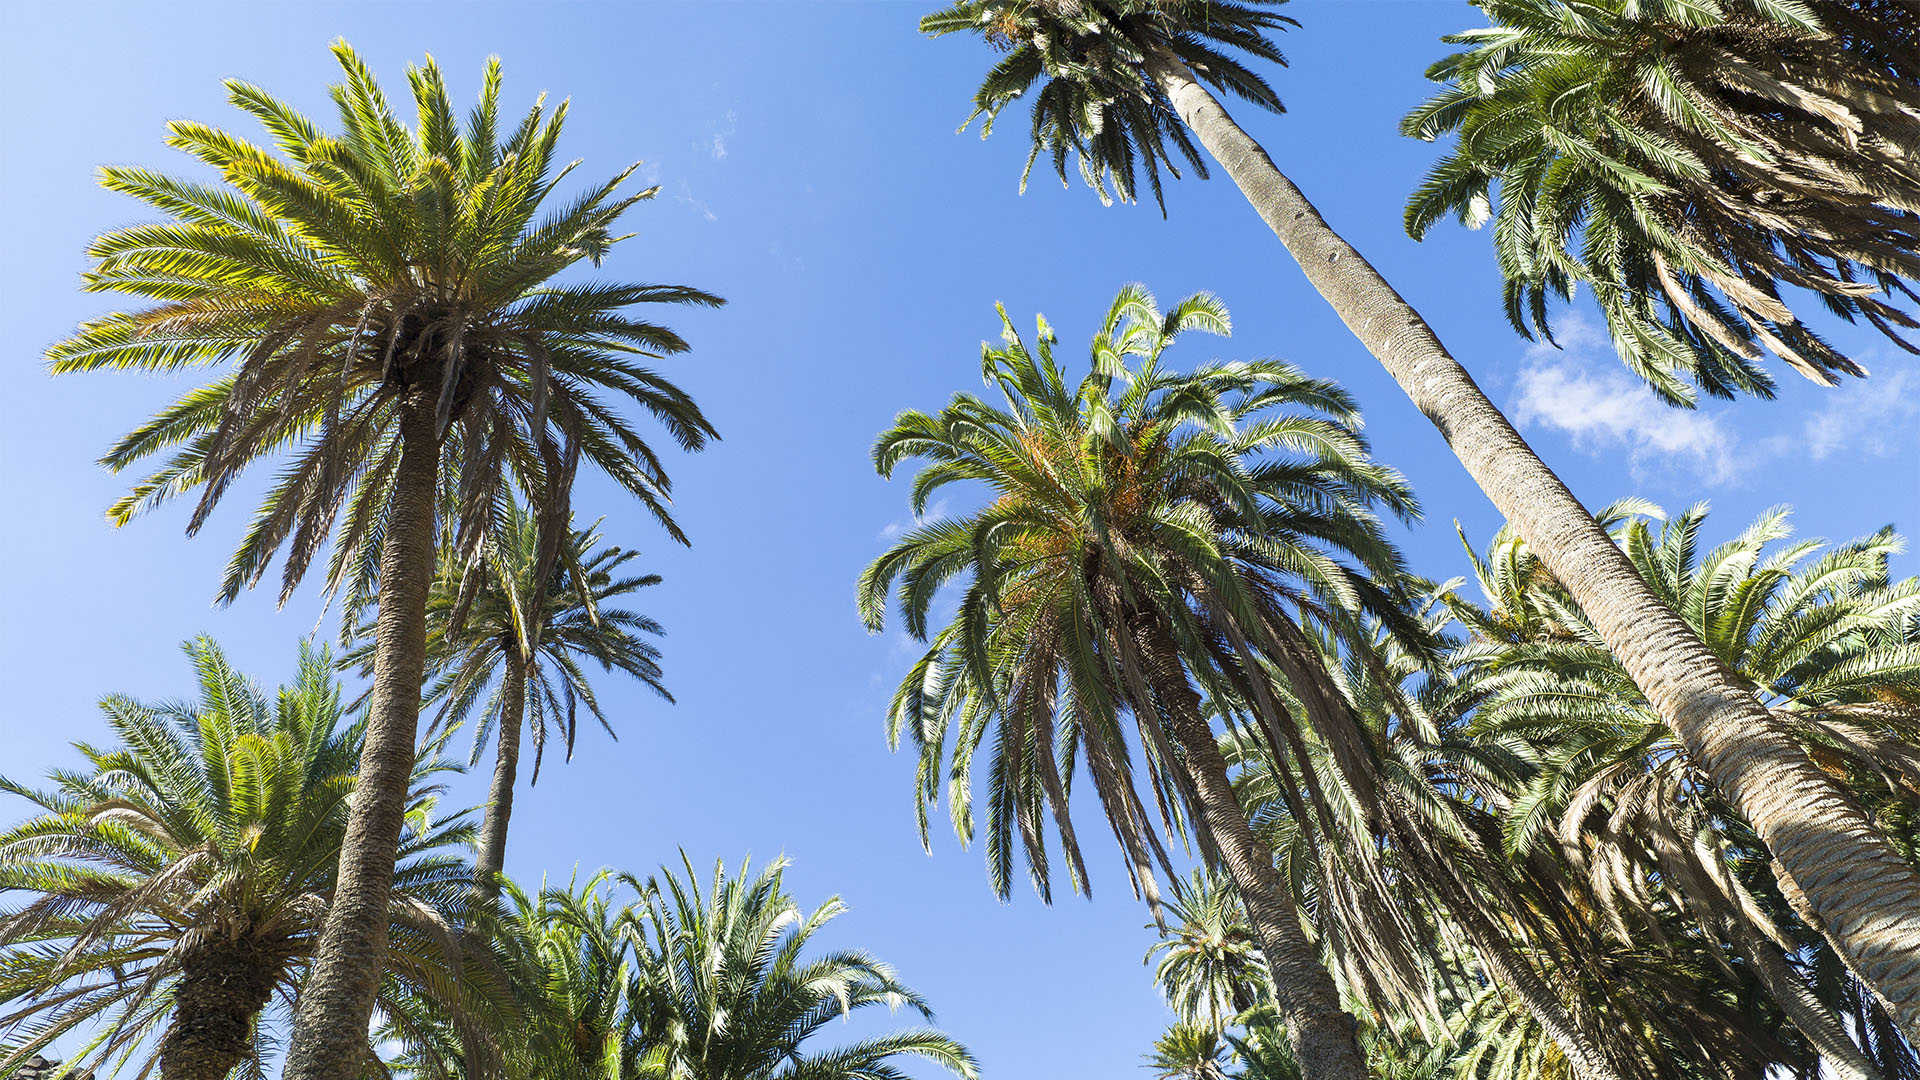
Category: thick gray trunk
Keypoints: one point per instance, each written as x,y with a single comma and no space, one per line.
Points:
1867,898
1325,1039
492,856
336,1003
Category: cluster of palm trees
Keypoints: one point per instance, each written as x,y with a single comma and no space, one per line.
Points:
1642,811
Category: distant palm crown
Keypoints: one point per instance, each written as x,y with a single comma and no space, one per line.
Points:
360,276
1203,504
1685,160
1096,101
201,855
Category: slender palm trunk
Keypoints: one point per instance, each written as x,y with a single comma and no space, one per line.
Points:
223,986
1325,1039
336,1003
1866,896
492,857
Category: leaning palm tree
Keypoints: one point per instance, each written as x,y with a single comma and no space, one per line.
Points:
517,651
382,301
1684,161
1824,639
731,987
1118,82
1146,530
171,894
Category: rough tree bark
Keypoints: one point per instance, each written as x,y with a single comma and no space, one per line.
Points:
1866,896
330,1024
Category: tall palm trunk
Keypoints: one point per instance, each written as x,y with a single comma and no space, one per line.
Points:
492,857
1866,896
336,1002
223,986
1324,1038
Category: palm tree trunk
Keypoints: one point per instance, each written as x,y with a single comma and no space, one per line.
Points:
492,857
1325,1039
336,1003
223,986
1867,897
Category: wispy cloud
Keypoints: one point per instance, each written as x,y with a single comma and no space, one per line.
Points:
718,146
685,196
1607,410
1581,391
893,530
1872,417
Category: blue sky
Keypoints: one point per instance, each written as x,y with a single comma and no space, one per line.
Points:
809,171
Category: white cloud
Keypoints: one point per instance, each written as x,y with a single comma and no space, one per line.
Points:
1867,416
717,147
1581,391
893,530
1601,408
685,196
719,150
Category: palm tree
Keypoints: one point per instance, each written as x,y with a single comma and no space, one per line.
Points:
1189,1052
1145,529
525,641
383,301
175,888
1209,969
1684,161
1115,76
730,991
1825,640
681,985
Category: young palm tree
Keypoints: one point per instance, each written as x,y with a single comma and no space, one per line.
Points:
1146,529
729,990
1684,161
525,640
1209,969
382,300
1116,81
1188,1051
175,889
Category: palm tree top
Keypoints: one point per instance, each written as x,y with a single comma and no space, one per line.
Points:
347,278
1094,98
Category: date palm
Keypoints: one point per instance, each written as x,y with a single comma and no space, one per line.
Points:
734,988
382,305
519,650
168,900
1684,161
1209,967
1823,639
1145,530
1115,83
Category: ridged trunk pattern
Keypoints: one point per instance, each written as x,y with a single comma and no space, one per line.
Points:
330,1025
492,857
224,983
1865,896
1325,1039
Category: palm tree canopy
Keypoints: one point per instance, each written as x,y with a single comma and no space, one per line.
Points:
1685,160
735,989
1095,101
554,627
1208,498
214,822
344,278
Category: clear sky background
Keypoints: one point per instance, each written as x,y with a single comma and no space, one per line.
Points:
809,171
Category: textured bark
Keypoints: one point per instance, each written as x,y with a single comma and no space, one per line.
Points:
336,1002
1325,1039
506,765
1866,896
223,986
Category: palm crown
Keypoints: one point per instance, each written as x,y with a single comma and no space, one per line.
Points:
1096,101
357,277
1684,161
175,887
1187,499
